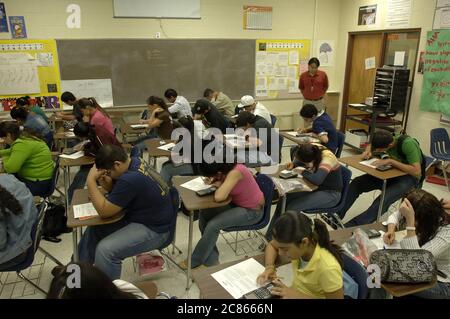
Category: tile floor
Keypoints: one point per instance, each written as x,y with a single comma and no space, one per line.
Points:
172,281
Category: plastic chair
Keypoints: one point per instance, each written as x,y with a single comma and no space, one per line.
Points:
36,233
346,177
273,119
358,273
55,176
440,148
340,146
266,185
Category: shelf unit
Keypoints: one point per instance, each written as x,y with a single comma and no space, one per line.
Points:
390,90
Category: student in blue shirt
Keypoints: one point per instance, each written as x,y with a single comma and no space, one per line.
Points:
138,192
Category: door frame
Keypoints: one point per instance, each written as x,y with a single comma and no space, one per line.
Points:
384,34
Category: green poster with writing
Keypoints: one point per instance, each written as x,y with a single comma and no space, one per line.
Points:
436,77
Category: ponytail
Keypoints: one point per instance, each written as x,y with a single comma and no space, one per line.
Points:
98,107
307,153
323,239
8,203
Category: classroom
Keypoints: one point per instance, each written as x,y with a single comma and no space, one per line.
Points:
210,149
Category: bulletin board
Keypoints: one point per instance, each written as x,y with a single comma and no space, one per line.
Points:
279,64
436,76
29,67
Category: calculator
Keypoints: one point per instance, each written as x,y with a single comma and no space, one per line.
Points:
263,292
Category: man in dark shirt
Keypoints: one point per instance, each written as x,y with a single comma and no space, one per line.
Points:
205,111
138,192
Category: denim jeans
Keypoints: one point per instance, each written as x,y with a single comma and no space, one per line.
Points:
79,180
303,201
211,222
139,144
439,291
169,170
106,246
395,189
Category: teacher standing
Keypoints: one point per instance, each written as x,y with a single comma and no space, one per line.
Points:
314,85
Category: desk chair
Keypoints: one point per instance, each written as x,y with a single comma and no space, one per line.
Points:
266,185
358,273
440,148
341,140
273,120
333,219
36,233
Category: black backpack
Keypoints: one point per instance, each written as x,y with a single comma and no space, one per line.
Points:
55,223
423,163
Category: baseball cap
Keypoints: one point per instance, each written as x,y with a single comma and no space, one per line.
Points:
246,100
201,106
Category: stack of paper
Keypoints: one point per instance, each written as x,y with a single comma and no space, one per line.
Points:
167,147
73,156
84,211
69,134
139,125
196,184
369,163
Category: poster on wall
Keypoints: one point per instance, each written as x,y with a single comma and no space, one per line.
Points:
441,18
367,15
3,18
325,52
398,14
17,26
436,79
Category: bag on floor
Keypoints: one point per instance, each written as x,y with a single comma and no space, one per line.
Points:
405,265
55,223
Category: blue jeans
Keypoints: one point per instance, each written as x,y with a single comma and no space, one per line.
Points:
139,144
106,246
395,189
304,201
169,170
79,180
211,222
439,291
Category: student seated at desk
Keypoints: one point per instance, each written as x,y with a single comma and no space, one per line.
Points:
160,122
98,137
33,122
260,131
221,101
249,104
76,114
196,131
206,112
180,106
246,208
94,284
316,261
428,227
95,113
26,103
324,171
138,192
407,157
17,217
29,158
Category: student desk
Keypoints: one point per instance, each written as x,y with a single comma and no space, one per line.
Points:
211,289
126,129
81,196
299,140
354,160
193,203
154,151
63,137
53,121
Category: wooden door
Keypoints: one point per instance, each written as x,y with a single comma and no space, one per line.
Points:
360,81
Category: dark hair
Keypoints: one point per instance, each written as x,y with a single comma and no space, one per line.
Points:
293,227
83,129
158,101
91,102
68,96
11,128
222,165
170,93
245,118
19,113
208,92
22,101
108,154
94,284
429,214
381,139
314,61
308,111
187,122
307,153
8,203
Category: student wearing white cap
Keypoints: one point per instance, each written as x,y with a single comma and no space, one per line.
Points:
250,105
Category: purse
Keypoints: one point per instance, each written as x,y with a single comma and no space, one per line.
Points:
405,265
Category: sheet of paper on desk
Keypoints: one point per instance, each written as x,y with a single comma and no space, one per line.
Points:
239,279
69,134
196,184
84,211
293,133
166,147
369,162
73,156
379,242
139,125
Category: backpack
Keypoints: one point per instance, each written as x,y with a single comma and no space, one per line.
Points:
55,223
423,164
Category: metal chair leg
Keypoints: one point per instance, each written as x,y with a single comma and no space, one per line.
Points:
46,253
21,276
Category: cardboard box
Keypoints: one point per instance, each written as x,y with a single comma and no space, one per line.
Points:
357,138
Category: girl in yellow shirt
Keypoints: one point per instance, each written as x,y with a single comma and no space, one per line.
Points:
316,261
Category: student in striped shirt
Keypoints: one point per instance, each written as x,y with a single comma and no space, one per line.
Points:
322,169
